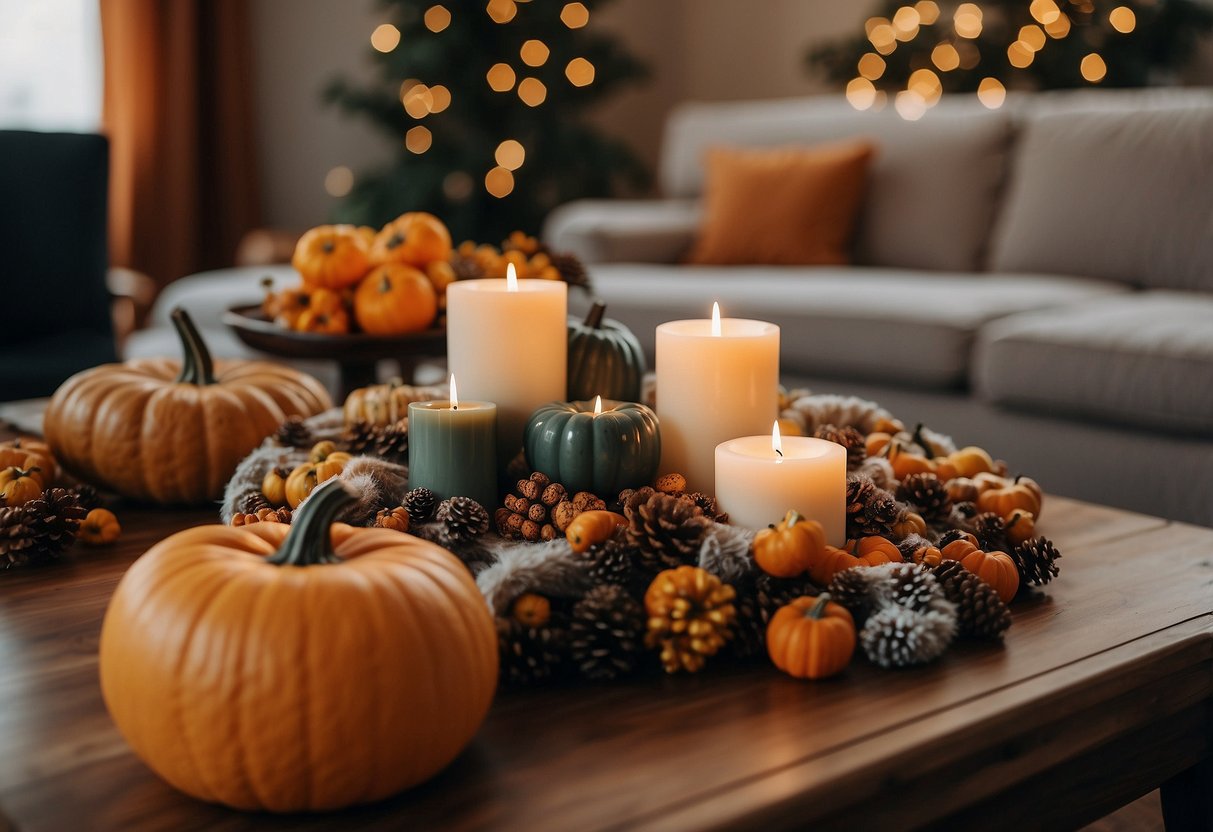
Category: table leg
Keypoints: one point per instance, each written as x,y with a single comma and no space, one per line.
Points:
1187,799
355,374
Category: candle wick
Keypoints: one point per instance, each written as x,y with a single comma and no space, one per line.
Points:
454,407
779,452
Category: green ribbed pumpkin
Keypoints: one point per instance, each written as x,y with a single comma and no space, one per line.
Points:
604,454
605,359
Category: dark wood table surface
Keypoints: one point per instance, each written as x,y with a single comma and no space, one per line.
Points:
1101,693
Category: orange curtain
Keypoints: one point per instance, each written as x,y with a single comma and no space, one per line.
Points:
178,113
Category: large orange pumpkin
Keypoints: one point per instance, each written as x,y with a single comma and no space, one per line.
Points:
297,667
416,238
395,299
169,431
332,256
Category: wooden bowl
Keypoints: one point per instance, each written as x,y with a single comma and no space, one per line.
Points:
254,329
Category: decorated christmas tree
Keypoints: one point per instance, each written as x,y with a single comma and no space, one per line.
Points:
910,53
488,103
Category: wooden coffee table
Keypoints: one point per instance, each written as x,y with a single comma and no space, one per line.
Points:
1103,691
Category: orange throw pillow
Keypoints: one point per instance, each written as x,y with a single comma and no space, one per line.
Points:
787,206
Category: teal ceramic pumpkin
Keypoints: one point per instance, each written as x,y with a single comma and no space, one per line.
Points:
604,453
605,359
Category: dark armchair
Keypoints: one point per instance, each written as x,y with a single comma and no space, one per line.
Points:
56,307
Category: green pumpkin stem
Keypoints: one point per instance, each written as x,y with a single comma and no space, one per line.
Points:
196,365
819,609
594,318
308,543
921,440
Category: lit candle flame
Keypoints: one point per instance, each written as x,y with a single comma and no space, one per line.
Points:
598,405
716,319
511,278
776,439
454,394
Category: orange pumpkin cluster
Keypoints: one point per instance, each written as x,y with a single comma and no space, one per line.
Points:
524,251
390,282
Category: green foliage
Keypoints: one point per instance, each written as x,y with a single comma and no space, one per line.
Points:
566,156
1165,34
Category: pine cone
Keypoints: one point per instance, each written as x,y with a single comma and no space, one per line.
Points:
895,636
420,504
56,517
852,589
980,613
928,494
87,496
529,654
1036,560
665,529
16,536
690,616
463,520
606,633
871,511
849,438
392,442
466,268
707,505
951,536
293,433
252,502
990,531
756,605
909,585
571,269
614,562
359,437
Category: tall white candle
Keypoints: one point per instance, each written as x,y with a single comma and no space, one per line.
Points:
760,478
716,380
507,342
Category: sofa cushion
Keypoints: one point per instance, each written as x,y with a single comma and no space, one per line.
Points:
1120,189
932,188
1143,359
789,206
887,325
624,230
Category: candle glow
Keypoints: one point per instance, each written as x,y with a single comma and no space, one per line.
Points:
598,405
776,439
715,319
454,394
511,278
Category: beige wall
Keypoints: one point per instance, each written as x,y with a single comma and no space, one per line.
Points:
697,49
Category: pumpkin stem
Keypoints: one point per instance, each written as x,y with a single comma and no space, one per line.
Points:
792,518
308,543
921,440
819,609
196,365
593,319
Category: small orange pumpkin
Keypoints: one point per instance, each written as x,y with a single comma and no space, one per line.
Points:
1016,496
415,238
99,527
304,479
19,485
336,322
22,448
927,555
868,551
995,568
364,657
971,461
1020,526
811,638
789,549
591,527
395,299
962,490
441,274
876,441
396,519
532,610
285,307
332,256
905,463
273,485
910,523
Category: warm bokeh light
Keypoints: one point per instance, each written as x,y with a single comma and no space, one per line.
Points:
871,66
1045,11
928,11
945,57
418,101
861,93
967,20
534,52
905,23
499,182
1122,19
405,86
574,15
991,93
883,36
339,181
580,72
532,92
1020,55
1033,37
457,185
910,105
502,11
926,85
510,154
418,139
1059,28
441,98
437,18
501,78
1093,68
385,38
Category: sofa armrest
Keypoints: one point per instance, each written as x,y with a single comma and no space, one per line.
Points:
613,231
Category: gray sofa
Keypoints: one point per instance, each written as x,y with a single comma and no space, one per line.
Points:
1036,279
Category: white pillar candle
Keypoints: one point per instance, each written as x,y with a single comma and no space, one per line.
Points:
760,478
716,380
507,342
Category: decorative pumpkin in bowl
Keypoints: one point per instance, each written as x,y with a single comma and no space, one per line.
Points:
173,431
300,667
331,256
395,299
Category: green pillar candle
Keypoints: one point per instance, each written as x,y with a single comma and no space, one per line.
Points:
453,449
